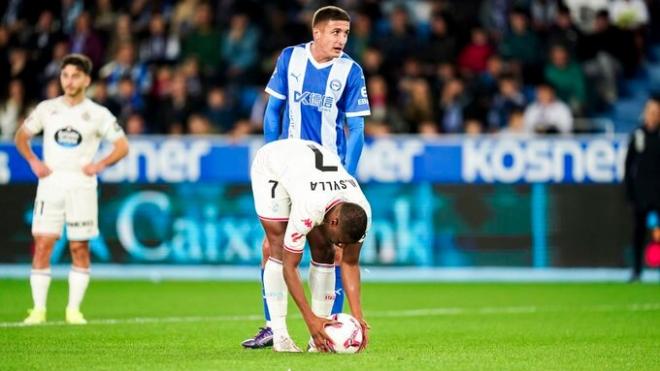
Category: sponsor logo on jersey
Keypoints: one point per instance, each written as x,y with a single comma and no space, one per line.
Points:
68,137
320,101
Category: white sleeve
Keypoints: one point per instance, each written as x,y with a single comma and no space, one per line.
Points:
109,127
34,122
300,223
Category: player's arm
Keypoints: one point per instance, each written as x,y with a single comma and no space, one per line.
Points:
22,140
350,276
273,119
354,143
119,151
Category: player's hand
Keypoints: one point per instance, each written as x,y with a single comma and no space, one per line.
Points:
93,169
365,328
321,340
39,168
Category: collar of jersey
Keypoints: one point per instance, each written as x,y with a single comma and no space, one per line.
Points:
316,64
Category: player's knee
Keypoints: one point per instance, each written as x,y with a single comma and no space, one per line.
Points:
79,253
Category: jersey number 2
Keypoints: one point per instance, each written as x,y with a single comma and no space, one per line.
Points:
318,158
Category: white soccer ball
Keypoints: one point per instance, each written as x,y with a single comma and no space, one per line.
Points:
346,334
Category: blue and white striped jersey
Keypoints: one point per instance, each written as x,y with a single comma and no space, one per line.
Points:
319,96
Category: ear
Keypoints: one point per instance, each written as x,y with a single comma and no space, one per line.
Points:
334,221
316,33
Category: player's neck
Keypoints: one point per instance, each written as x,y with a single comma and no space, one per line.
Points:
73,100
318,56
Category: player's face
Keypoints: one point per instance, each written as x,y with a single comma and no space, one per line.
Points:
74,81
330,38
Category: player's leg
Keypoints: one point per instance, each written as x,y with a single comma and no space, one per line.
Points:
338,305
321,273
47,223
82,225
639,237
40,277
264,336
275,289
78,281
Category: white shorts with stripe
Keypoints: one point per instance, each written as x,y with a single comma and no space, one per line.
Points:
77,207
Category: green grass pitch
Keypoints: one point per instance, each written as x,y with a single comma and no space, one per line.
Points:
173,325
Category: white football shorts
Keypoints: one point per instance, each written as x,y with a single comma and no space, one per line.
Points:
271,200
76,206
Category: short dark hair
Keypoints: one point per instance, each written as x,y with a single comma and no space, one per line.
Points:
330,13
353,221
82,62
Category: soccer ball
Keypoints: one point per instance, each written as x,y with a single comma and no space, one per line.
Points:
346,334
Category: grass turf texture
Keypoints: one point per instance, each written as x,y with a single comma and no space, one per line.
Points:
191,325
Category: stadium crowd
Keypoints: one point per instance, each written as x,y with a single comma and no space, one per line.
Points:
432,67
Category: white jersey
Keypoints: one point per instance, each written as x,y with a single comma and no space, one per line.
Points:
71,137
314,180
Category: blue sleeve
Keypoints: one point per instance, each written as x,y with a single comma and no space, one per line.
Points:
356,102
354,143
278,85
273,119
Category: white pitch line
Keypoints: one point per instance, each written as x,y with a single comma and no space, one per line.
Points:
636,307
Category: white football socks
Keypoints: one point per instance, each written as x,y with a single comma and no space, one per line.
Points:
78,281
277,295
39,282
322,287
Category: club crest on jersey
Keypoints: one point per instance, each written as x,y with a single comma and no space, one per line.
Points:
321,102
68,137
335,85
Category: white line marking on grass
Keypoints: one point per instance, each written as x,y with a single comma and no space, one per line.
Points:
636,307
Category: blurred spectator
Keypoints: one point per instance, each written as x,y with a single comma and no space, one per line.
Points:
22,69
372,62
70,12
522,46
173,111
543,13
43,38
52,69
584,12
441,46
12,110
567,78
473,127
162,81
122,35
220,111
642,179
198,125
124,65
515,122
473,58
184,12
104,18
361,36
51,90
239,49
428,129
564,32
204,41
417,104
128,98
135,125
451,105
398,42
547,115
493,15
100,96
629,14
194,81
608,39
159,47
4,55
509,98
85,41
